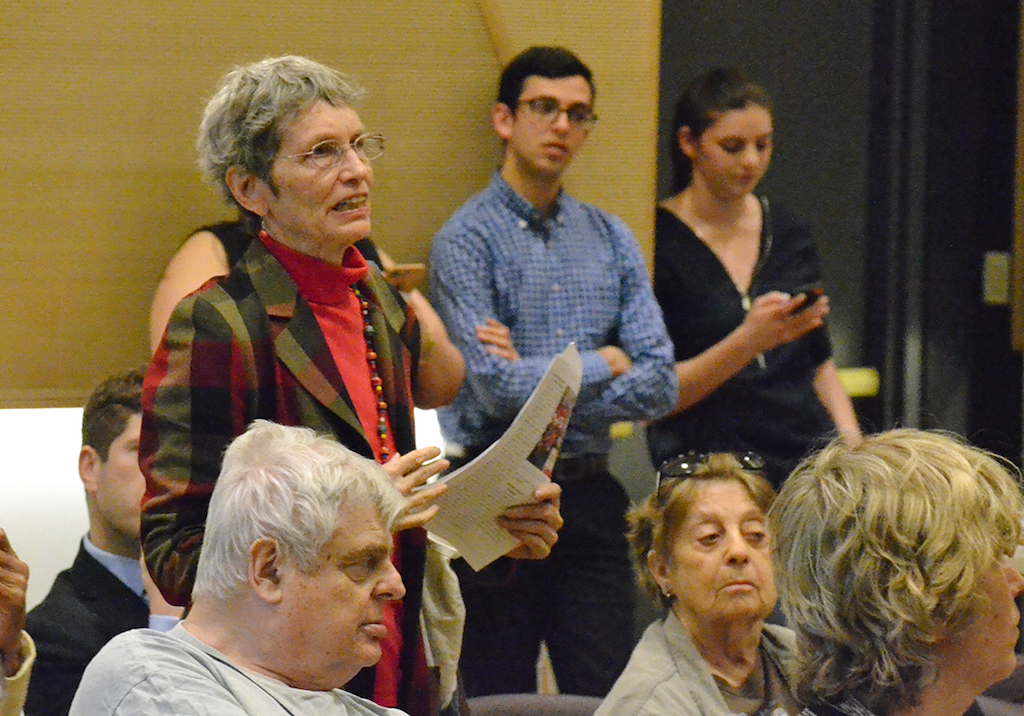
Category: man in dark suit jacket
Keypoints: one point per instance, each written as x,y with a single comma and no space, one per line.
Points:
102,594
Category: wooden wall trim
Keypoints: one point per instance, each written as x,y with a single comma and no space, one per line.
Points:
1017,277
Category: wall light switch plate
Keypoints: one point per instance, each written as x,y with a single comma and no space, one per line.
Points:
995,278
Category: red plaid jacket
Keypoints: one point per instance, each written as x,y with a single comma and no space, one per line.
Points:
244,348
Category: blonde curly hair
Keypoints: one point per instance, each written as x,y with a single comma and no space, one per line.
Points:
878,550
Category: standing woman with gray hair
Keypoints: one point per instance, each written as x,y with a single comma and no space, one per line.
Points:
892,564
301,332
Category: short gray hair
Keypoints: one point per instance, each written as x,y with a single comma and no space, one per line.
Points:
286,484
245,118
879,549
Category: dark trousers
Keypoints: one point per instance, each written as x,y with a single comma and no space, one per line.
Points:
579,601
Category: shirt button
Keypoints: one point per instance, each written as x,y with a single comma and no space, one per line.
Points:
558,332
522,223
555,287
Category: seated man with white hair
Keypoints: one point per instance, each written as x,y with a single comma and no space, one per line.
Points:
289,596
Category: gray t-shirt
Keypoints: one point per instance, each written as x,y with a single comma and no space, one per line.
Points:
174,674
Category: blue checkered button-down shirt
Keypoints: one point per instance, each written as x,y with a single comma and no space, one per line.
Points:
577,275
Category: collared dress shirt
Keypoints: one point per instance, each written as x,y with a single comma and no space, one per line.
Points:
574,276
129,571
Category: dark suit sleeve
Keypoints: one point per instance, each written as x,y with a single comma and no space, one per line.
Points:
62,653
86,607
52,686
195,400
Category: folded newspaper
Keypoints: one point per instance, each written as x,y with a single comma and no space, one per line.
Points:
508,472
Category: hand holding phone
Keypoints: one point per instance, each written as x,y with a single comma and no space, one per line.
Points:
809,296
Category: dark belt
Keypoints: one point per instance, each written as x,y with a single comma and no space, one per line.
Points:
572,468
568,468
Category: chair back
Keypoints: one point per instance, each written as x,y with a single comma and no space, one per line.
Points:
533,705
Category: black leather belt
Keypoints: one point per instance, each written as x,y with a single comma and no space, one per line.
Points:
568,468
571,468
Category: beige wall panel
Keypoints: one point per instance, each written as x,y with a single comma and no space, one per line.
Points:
101,101
97,166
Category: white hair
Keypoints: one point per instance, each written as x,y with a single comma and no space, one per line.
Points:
287,484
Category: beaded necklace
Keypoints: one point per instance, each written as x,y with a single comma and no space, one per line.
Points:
378,385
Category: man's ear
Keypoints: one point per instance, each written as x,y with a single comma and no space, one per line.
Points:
502,119
89,465
250,191
265,570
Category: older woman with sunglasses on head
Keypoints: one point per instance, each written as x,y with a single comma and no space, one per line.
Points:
703,551
893,569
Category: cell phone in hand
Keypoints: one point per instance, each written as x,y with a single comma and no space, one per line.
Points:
809,296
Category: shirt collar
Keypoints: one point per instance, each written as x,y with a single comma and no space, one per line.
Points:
128,570
524,209
319,281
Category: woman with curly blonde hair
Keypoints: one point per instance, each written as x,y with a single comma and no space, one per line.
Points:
702,551
891,558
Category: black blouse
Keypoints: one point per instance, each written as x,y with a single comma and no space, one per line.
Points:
769,407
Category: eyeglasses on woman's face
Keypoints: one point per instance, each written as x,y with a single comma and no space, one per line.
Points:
330,152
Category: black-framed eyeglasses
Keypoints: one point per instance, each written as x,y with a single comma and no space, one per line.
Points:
547,109
687,464
330,152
